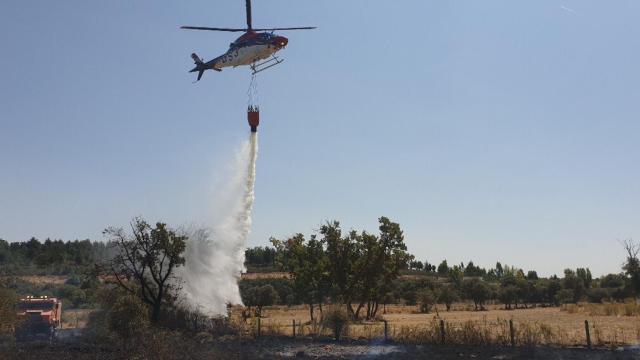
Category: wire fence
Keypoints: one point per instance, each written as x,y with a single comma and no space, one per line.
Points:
500,332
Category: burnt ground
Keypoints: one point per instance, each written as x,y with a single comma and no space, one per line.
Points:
306,349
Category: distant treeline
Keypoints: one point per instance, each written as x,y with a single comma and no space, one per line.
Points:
362,270
51,257
260,257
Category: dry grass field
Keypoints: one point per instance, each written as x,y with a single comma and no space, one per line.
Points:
266,275
533,326
44,279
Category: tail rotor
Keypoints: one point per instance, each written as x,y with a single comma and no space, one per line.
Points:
199,66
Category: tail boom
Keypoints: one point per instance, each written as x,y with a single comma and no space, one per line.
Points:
201,66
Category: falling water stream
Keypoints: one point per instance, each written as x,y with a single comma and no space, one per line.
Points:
215,256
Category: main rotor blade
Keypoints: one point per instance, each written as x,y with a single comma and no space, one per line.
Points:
288,28
212,29
249,22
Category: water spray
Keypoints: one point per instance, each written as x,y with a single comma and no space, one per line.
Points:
215,256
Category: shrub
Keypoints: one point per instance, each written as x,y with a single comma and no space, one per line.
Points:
128,317
8,301
597,295
565,296
336,319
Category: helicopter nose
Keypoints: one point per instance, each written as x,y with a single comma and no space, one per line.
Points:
280,41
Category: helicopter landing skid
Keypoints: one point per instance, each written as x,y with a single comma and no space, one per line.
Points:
258,67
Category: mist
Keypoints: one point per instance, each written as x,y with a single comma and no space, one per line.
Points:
215,255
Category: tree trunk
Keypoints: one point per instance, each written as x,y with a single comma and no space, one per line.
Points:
350,310
375,309
357,313
155,312
368,309
311,311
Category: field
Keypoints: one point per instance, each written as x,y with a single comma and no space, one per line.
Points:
533,326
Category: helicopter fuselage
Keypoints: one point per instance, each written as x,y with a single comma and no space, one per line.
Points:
249,48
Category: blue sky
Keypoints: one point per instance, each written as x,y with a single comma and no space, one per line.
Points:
491,130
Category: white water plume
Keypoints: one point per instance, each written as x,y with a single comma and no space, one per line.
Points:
215,257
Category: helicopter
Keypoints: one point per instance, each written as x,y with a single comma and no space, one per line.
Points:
249,49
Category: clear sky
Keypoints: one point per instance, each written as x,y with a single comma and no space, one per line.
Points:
491,130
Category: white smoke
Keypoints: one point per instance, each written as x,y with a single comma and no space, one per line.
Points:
215,256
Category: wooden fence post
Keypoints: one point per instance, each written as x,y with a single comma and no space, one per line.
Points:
294,327
586,330
386,331
258,326
442,331
512,333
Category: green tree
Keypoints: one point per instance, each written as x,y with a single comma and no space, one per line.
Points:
265,296
612,281
342,255
447,296
443,268
362,266
574,283
426,299
5,252
499,270
456,276
146,262
307,263
508,295
553,286
584,274
631,266
472,270
429,268
260,256
476,290
565,296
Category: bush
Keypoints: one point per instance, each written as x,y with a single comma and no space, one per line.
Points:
597,295
72,295
128,317
8,302
337,319
565,296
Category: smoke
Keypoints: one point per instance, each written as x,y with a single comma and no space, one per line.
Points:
215,256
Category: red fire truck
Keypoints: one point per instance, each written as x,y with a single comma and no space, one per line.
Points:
39,317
